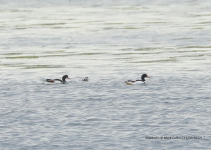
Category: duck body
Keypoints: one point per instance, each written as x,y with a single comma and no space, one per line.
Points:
142,81
130,82
58,80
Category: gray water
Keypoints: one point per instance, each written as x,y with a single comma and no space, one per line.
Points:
109,42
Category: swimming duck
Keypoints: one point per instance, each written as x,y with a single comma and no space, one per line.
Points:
86,79
62,81
130,82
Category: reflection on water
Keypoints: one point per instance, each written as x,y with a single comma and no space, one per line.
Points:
109,43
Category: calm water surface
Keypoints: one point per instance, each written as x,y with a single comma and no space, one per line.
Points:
108,42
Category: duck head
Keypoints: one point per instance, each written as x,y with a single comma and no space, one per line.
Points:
144,76
65,77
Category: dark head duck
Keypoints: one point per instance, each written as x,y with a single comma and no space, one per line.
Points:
131,82
62,81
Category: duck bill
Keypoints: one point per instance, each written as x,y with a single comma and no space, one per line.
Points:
148,77
68,78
